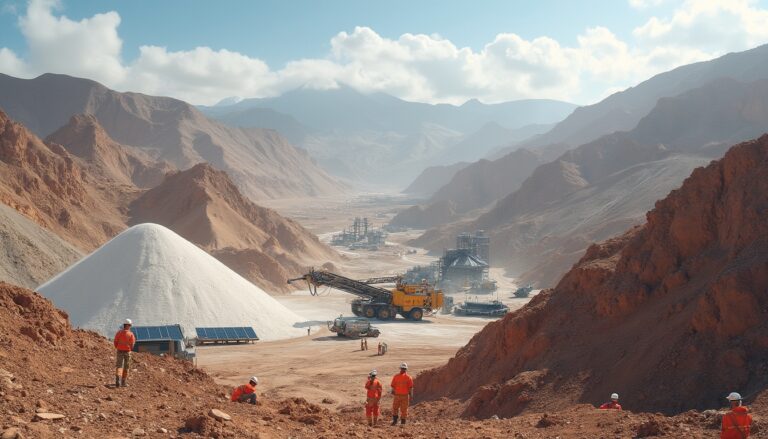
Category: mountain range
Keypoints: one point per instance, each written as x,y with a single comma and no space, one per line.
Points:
378,139
602,187
261,162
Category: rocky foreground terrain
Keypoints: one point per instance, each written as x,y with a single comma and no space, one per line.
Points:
55,381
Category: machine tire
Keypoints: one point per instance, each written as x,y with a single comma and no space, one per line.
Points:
369,312
384,313
416,314
340,334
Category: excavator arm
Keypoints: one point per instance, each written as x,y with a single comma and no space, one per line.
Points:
364,289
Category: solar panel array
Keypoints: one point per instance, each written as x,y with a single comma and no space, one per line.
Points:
232,333
170,332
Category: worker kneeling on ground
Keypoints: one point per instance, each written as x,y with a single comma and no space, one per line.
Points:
737,422
402,388
613,405
124,341
373,396
246,392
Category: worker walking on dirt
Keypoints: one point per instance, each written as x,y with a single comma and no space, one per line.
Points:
402,389
365,344
373,397
246,392
737,422
613,405
124,341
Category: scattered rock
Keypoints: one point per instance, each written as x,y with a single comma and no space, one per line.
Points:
11,433
546,421
328,401
137,432
219,415
48,416
651,427
162,430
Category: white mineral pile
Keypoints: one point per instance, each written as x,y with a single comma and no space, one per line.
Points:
155,277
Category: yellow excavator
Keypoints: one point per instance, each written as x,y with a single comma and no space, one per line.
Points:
409,300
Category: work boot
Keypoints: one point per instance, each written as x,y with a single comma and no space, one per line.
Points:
394,420
122,383
117,381
370,422
402,421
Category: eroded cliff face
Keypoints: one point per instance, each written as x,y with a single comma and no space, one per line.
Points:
45,183
671,315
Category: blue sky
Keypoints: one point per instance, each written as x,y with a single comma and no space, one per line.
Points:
431,51
279,31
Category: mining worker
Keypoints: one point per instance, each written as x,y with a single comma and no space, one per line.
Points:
402,389
613,405
124,341
737,422
373,396
246,392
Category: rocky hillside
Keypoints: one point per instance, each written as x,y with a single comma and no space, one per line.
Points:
682,294
49,186
30,254
84,137
430,215
205,207
623,110
433,178
261,162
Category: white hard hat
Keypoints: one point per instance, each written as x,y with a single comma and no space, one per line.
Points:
734,397
614,396
403,365
127,322
373,373
254,380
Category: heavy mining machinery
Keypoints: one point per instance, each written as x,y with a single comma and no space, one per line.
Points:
409,300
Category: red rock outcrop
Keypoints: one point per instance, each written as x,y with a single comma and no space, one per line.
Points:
204,206
671,315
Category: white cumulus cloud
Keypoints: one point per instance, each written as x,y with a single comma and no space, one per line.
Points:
420,67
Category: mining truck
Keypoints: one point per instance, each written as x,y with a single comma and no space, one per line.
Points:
411,301
353,327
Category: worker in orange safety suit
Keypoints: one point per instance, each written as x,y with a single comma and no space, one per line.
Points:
373,396
613,405
737,422
124,341
246,392
402,389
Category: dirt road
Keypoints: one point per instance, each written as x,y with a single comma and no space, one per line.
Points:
325,366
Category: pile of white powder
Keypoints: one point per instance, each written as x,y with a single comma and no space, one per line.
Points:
155,277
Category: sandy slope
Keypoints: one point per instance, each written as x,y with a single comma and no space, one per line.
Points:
30,254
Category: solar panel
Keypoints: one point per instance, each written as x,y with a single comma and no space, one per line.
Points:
226,334
168,332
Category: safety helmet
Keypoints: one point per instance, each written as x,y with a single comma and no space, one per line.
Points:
373,373
614,396
128,322
734,397
403,365
254,380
